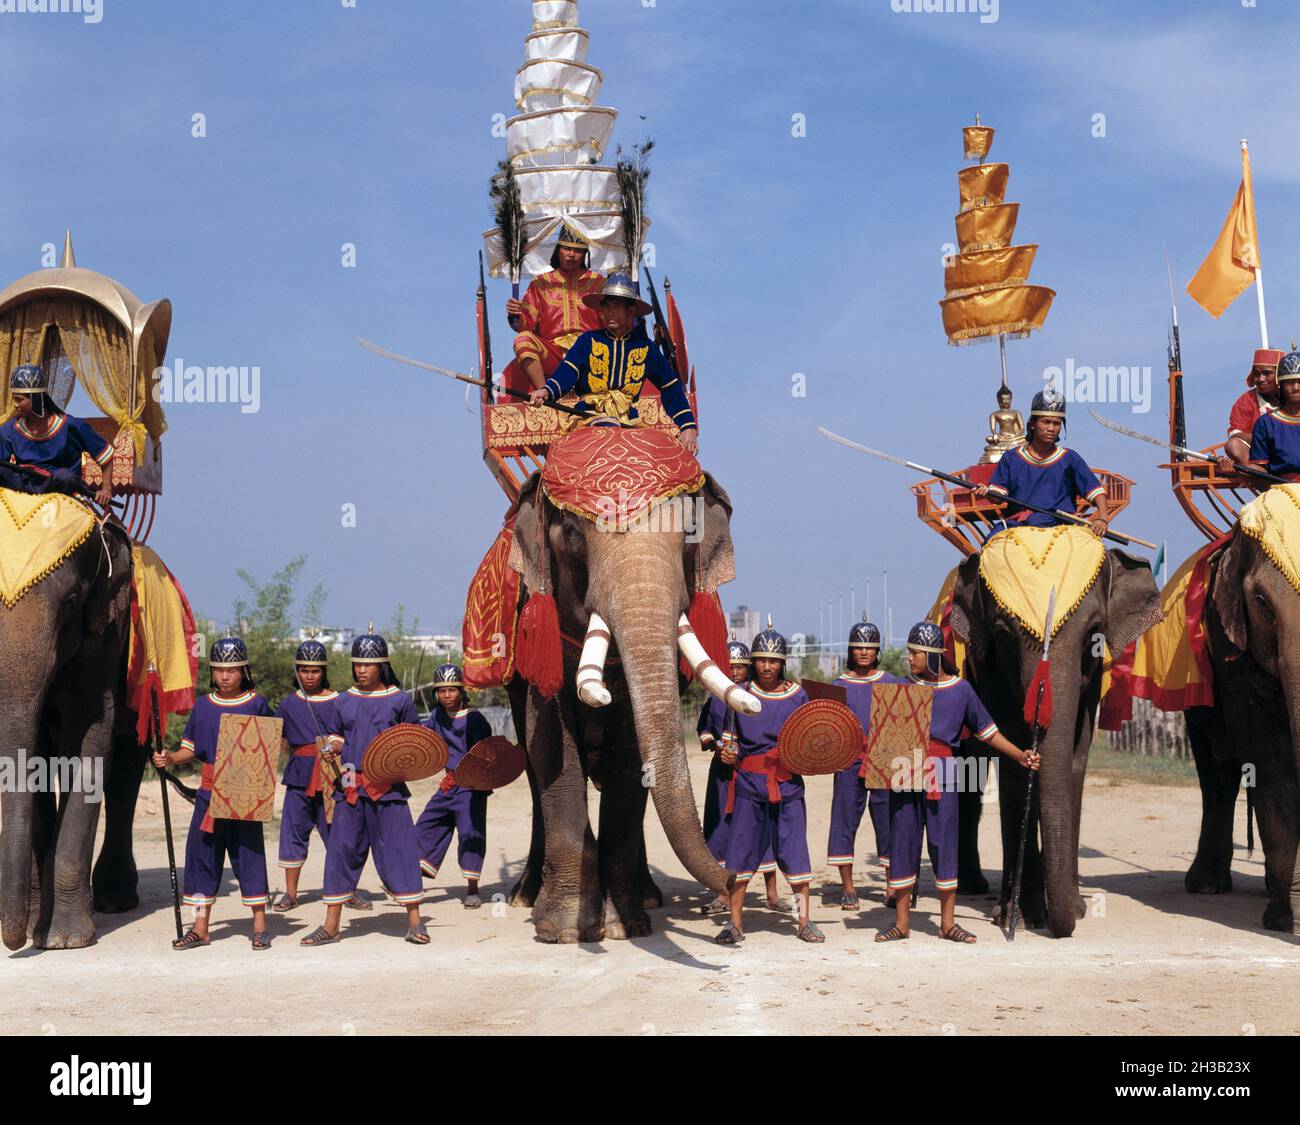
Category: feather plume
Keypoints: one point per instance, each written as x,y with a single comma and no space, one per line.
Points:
508,212
632,173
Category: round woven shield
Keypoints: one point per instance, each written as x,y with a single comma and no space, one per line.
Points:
822,736
406,752
490,764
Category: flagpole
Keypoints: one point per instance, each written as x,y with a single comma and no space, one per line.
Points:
1259,273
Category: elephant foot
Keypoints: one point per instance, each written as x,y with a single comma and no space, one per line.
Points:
1207,879
115,888
972,883
65,932
520,896
563,921
1278,916
623,924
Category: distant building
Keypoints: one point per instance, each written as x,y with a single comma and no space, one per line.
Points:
744,622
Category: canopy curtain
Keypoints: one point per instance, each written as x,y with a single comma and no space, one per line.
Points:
99,350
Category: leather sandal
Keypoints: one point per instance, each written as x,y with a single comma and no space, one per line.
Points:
321,936
418,935
809,932
957,934
780,906
893,934
718,906
284,902
729,935
261,939
191,940
849,901
357,902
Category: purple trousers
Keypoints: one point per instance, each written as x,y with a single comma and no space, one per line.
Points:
384,828
463,811
717,821
849,801
761,828
206,852
914,813
300,815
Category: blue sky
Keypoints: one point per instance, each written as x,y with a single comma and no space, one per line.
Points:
818,255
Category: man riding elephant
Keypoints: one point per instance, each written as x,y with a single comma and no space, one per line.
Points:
42,437
553,312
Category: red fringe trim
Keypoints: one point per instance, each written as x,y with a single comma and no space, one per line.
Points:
706,619
539,656
1042,675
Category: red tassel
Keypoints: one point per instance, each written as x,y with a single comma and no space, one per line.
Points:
1042,675
539,657
710,627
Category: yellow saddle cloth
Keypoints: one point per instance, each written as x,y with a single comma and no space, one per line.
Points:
1273,518
37,535
1022,565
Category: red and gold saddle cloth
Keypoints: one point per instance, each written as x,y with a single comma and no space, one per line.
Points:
615,475
491,609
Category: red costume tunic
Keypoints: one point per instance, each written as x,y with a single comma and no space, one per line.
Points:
554,315
1246,412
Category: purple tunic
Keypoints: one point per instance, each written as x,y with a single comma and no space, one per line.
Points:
454,809
460,730
301,729
364,714
956,705
757,734
849,799
61,448
241,840
1275,441
1055,482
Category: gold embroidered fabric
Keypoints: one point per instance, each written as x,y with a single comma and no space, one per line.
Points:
1273,519
38,534
1021,566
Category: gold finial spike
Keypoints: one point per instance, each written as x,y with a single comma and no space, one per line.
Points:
69,258
864,617
228,632
977,117
370,626
1293,343
733,634
769,620
311,632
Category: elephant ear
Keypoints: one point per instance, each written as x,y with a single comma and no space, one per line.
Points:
715,557
968,610
1132,600
1228,597
528,553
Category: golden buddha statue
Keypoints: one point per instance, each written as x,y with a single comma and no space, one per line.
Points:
1006,429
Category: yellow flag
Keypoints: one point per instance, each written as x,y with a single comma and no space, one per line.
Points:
1230,266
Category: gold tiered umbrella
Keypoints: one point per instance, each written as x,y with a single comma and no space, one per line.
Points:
986,282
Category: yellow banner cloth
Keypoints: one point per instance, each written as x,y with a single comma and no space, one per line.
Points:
1229,267
1021,566
38,534
1273,518
160,626
1167,670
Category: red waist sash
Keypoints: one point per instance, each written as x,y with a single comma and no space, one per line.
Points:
205,782
374,789
448,782
767,763
317,782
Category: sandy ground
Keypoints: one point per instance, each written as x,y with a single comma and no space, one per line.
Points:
1148,958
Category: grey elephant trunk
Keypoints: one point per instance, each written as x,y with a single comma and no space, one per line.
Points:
1289,667
16,840
1057,806
646,613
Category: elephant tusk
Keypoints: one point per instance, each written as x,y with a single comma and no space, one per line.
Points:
591,664
715,682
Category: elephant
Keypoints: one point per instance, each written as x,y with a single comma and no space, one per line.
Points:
63,651
583,886
1252,633
1001,658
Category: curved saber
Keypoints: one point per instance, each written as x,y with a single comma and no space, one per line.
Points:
1194,454
460,376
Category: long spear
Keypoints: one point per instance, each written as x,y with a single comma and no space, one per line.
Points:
1194,454
157,739
963,482
1043,681
464,378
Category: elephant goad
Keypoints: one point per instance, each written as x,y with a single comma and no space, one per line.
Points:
1001,656
638,581
1252,633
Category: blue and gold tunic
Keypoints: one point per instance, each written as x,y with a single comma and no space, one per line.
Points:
608,373
1275,442
1054,482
